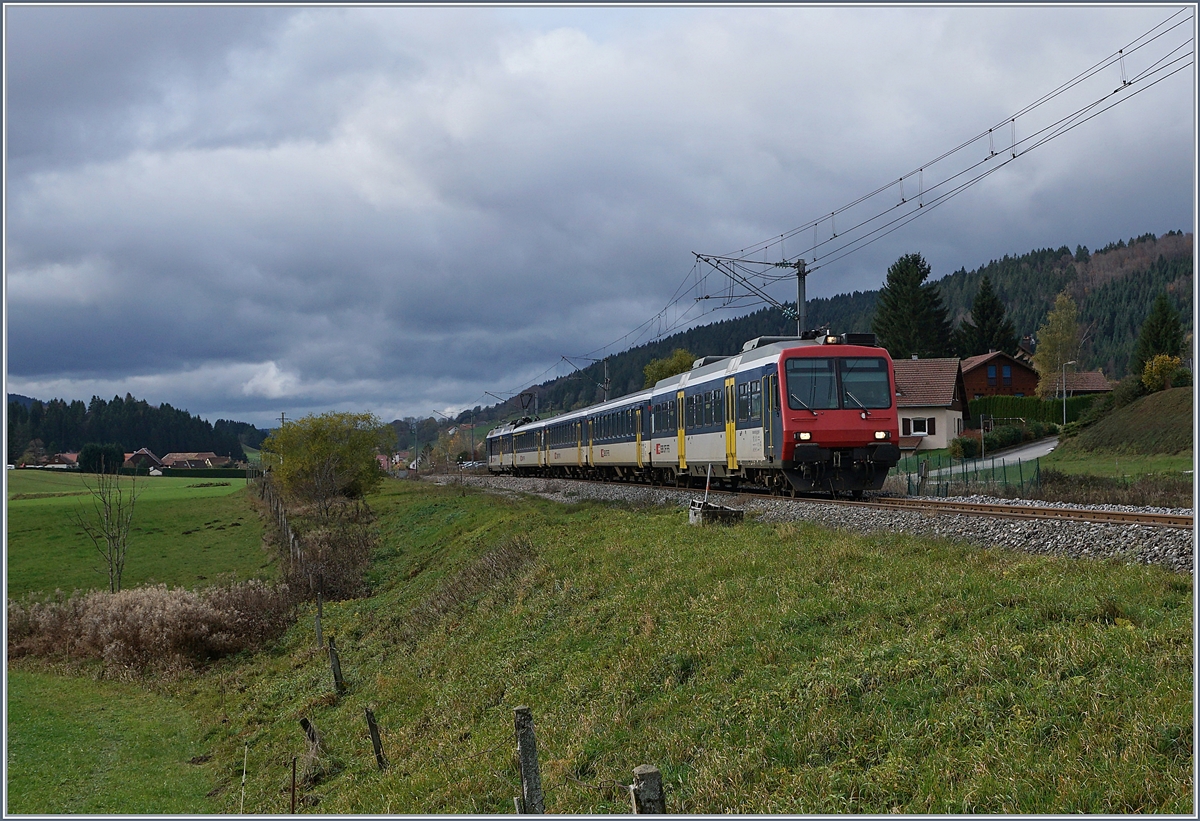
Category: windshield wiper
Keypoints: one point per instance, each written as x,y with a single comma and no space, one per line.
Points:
860,404
801,403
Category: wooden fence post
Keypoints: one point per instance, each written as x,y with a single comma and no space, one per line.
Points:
320,641
293,785
374,728
531,777
647,792
310,730
339,685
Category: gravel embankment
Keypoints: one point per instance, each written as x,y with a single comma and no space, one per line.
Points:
1168,547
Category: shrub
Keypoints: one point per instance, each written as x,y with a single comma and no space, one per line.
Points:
152,627
1127,390
1003,437
1160,372
964,447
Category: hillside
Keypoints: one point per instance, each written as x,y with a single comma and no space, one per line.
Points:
1160,423
804,671
1114,288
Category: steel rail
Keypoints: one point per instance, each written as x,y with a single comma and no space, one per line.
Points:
1074,514
934,506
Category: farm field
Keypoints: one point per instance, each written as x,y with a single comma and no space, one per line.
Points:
186,531
767,668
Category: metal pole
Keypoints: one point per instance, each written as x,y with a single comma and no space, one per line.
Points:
801,308
1064,389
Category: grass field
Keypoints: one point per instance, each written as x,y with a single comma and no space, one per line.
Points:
186,531
1117,465
76,745
764,668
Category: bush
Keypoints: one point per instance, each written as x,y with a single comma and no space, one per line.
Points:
964,447
1160,372
1127,390
1003,437
150,627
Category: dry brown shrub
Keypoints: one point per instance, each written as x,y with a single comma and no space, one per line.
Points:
152,627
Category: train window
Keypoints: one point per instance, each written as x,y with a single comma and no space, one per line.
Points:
865,382
743,401
719,406
708,413
811,384
755,399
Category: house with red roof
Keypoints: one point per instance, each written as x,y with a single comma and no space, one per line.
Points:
931,402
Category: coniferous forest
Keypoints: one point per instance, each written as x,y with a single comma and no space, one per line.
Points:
63,426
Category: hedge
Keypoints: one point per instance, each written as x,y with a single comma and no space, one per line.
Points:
207,473
1029,408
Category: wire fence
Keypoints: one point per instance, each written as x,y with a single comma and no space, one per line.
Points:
946,476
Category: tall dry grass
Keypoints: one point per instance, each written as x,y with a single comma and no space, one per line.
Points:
150,628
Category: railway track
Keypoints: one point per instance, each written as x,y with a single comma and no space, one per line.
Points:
933,507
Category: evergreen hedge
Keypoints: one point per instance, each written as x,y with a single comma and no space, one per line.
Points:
1029,408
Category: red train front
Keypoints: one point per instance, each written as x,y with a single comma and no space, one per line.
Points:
836,403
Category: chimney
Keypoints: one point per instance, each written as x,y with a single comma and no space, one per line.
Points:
914,356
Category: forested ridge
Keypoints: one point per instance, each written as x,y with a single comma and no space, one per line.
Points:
63,427
1114,288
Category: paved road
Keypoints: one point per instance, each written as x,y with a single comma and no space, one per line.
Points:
1025,453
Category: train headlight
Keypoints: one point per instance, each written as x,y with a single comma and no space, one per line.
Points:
883,434
804,436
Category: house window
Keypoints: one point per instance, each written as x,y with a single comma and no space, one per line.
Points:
918,427
958,426
991,375
1006,372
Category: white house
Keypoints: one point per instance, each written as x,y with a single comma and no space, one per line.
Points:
931,402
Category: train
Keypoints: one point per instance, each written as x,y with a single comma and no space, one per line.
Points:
809,414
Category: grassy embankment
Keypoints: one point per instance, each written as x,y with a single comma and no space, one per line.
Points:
185,532
1153,434
763,668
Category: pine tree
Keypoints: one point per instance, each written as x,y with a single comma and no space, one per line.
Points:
991,329
1162,333
1058,342
910,317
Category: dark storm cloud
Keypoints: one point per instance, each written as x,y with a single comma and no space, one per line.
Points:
245,210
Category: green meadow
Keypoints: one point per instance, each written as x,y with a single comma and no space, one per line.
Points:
764,668
185,531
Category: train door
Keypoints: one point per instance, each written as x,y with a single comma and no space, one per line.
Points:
591,426
637,418
770,408
579,443
730,424
679,428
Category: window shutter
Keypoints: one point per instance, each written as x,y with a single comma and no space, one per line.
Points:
906,427
930,426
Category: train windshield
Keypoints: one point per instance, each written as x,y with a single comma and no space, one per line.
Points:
811,384
845,382
865,383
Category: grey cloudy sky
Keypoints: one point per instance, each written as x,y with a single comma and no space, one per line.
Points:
243,211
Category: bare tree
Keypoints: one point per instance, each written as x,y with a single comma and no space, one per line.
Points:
108,524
